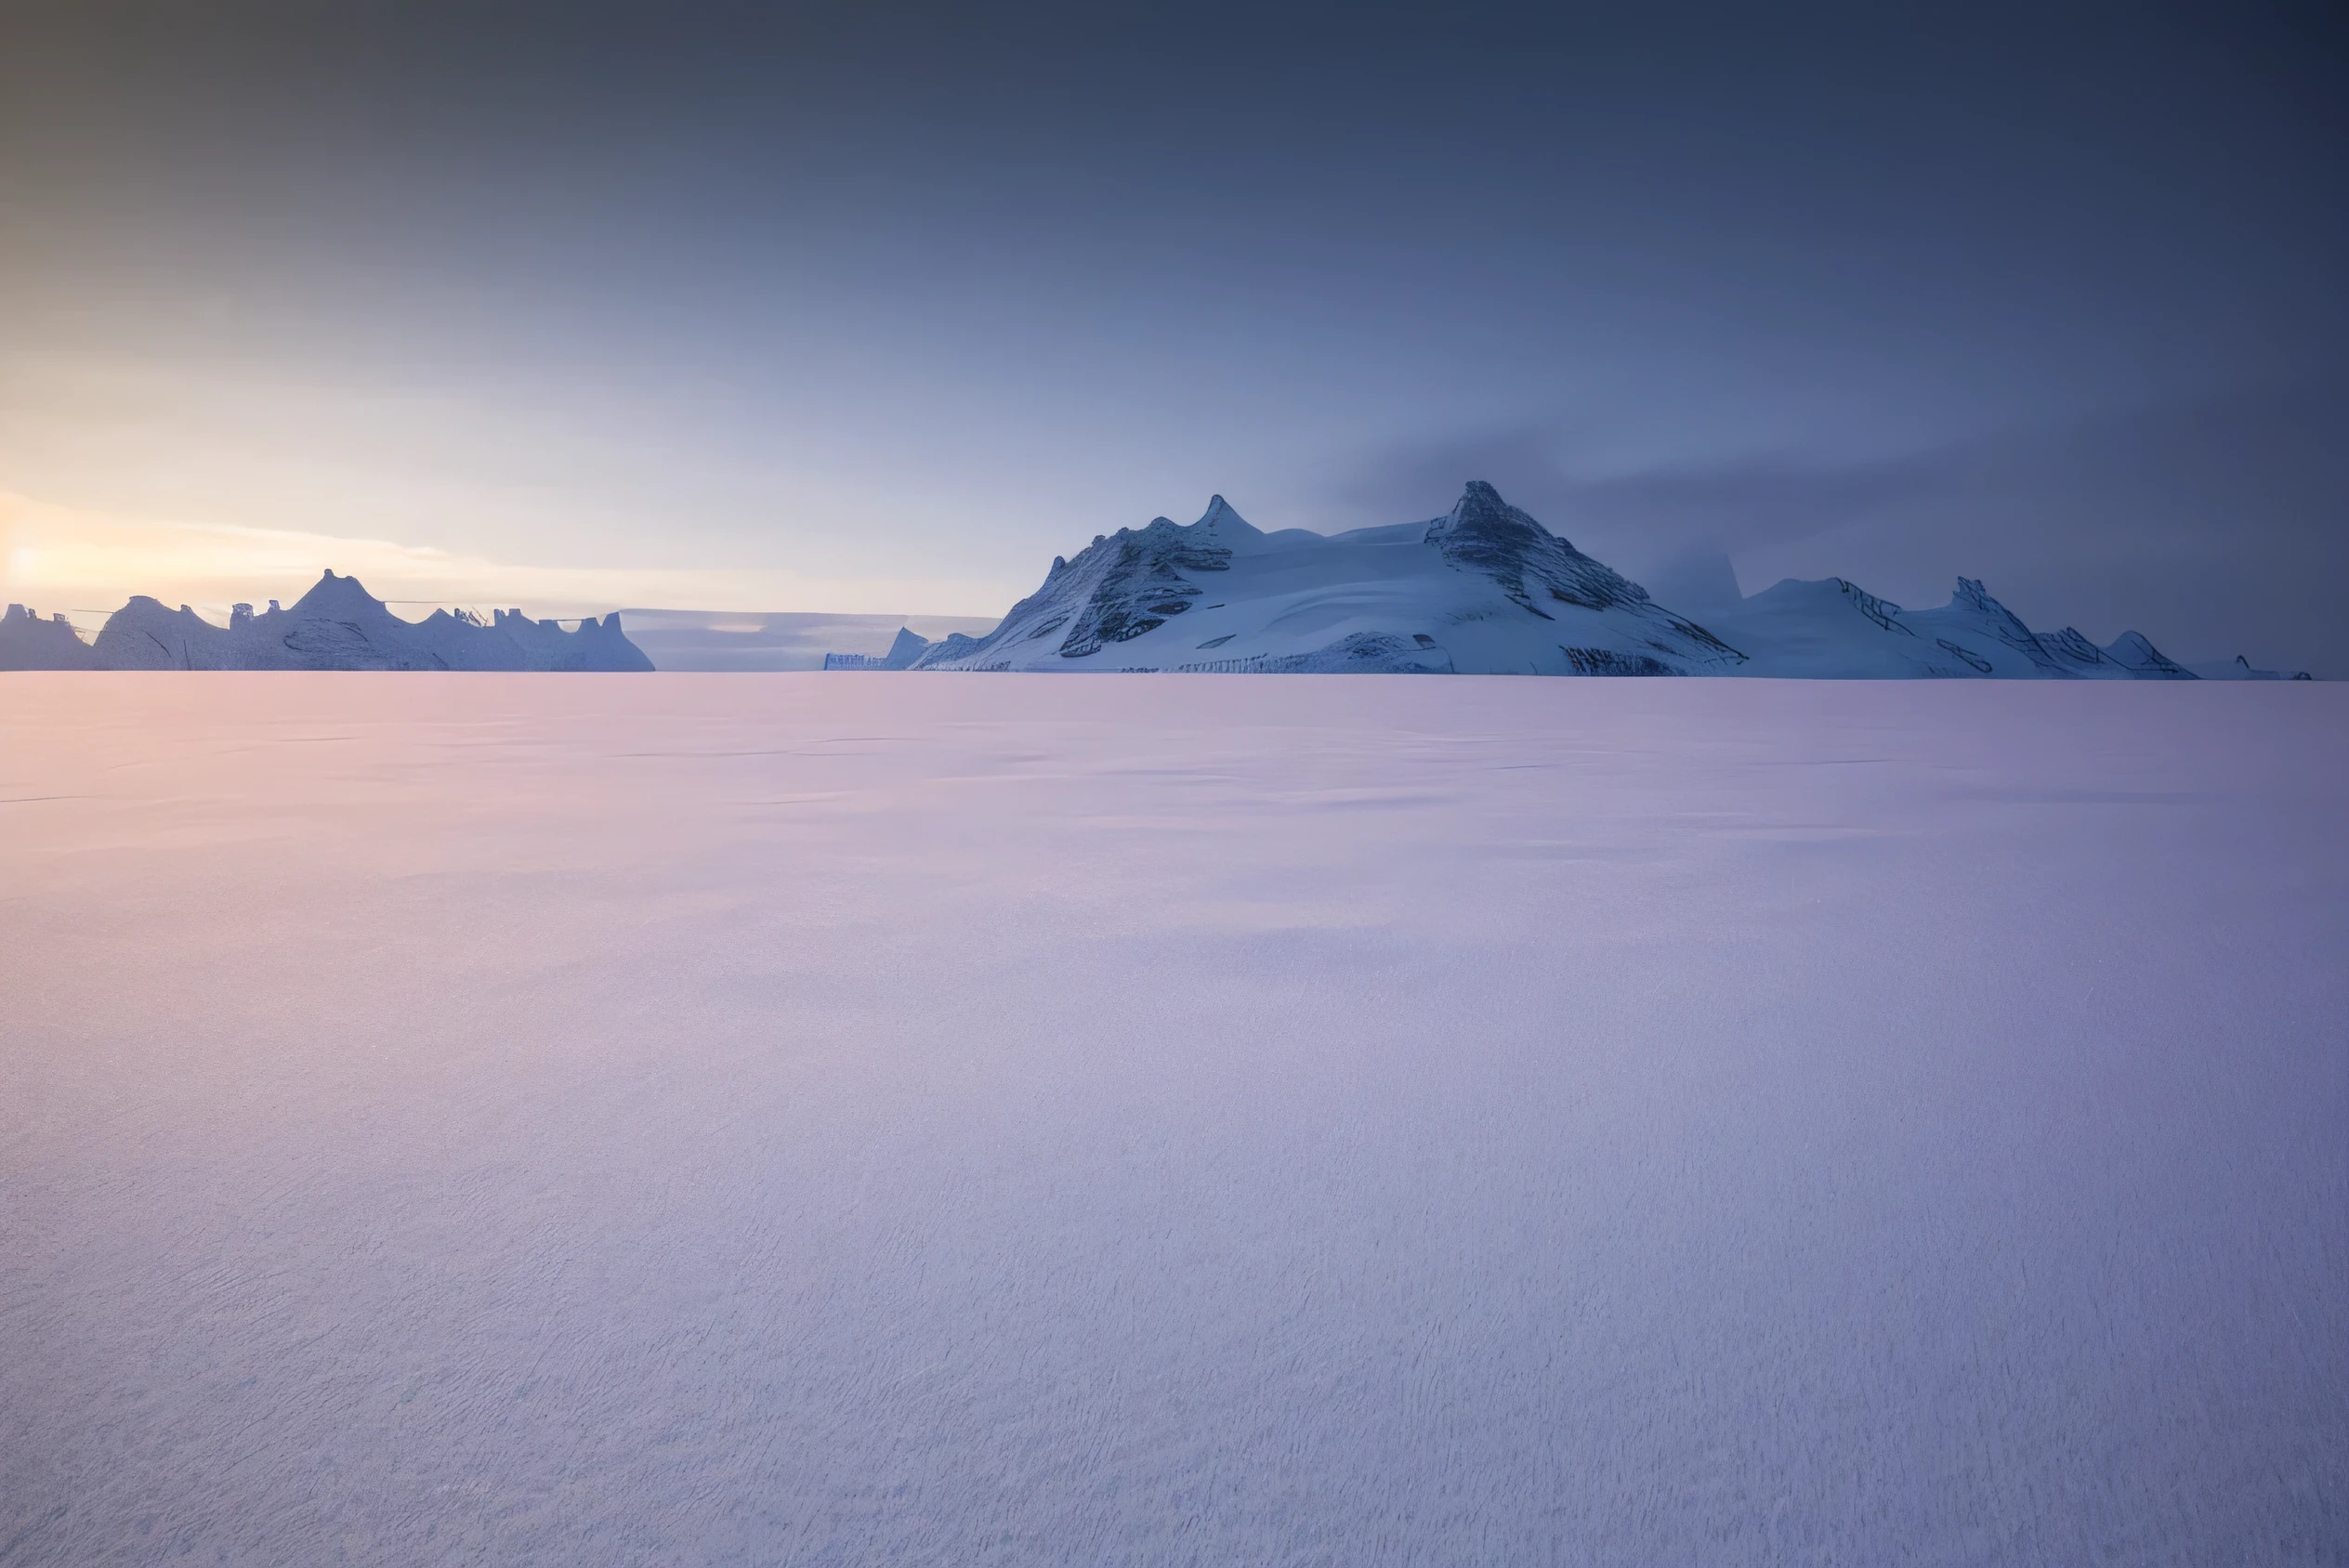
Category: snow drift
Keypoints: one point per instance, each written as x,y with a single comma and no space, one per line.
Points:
1162,1121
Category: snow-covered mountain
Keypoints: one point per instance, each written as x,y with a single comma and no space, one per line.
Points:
27,642
338,625
1838,630
1483,590
2240,668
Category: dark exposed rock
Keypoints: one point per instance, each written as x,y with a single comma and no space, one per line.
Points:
2132,651
1484,533
1606,662
2005,625
1884,612
1112,591
1972,659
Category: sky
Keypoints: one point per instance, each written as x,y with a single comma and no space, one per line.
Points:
875,308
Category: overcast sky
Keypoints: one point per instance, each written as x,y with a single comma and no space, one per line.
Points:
878,307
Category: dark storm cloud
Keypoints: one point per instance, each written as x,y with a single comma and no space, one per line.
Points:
2199,523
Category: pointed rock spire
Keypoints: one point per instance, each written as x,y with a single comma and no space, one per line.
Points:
1221,517
331,595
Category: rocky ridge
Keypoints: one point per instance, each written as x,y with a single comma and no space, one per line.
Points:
1484,590
338,625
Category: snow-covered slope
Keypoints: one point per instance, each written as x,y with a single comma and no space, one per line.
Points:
1485,590
27,642
1839,631
338,625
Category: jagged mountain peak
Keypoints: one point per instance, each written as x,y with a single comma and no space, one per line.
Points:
339,625
1484,533
1220,518
1482,511
2134,651
2006,626
1486,589
27,642
336,595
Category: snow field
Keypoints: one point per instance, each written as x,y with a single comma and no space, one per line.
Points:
1165,1120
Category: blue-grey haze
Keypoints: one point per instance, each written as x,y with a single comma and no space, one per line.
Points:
2048,297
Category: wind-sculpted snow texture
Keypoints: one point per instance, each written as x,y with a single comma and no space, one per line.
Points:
1485,590
338,625
915,1122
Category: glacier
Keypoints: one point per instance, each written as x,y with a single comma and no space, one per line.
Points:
1172,1121
1484,590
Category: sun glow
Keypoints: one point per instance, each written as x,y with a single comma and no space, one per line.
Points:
87,563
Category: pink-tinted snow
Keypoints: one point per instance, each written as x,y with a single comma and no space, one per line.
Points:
1000,1119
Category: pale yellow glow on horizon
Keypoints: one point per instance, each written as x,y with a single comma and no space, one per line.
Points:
88,563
